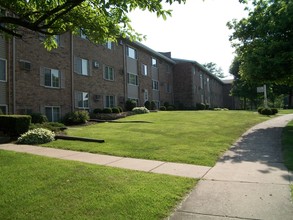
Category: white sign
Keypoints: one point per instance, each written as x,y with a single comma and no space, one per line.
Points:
260,89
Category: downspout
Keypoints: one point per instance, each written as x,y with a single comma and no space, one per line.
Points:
125,73
13,76
72,75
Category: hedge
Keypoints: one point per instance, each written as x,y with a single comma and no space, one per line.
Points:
15,125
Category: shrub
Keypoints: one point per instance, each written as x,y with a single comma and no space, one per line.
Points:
259,110
140,110
120,108
15,125
1,113
163,108
76,117
36,136
52,126
97,111
38,118
266,111
130,104
170,108
200,106
107,110
166,104
116,110
147,104
217,109
274,111
207,107
153,105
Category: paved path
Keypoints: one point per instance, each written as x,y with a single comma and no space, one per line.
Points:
249,182
177,169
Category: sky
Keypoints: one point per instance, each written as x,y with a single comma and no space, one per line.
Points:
196,31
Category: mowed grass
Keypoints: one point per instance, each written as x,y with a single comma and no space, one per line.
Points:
194,137
34,187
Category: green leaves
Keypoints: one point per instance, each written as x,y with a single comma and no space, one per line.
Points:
101,20
264,42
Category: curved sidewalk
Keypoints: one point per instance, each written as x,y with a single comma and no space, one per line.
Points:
249,182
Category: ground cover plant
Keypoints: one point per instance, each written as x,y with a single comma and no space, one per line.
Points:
34,187
195,137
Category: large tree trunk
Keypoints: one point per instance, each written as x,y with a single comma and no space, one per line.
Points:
290,99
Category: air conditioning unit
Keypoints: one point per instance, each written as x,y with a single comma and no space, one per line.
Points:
25,65
96,64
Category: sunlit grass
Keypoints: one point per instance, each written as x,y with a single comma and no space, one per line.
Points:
195,137
34,187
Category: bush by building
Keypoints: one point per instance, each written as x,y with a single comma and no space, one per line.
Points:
130,104
38,118
140,110
36,136
15,125
76,117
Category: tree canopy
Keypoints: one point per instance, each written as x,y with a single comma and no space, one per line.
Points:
214,69
264,42
99,20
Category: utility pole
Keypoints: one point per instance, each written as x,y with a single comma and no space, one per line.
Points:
265,96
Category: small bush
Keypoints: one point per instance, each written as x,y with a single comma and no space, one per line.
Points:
166,104
14,125
130,104
207,107
75,118
140,110
200,106
153,105
259,110
38,118
163,108
116,110
107,110
36,136
275,111
120,108
266,111
52,126
97,111
147,104
170,108
217,109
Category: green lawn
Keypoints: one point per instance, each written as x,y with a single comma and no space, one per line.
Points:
194,137
285,111
34,187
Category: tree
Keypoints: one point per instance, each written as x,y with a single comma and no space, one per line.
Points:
214,69
264,42
99,20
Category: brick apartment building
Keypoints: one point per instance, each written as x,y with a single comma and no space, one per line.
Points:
82,75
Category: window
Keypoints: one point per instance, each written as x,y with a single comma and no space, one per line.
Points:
146,95
154,62
81,99
3,108
201,81
155,85
109,45
57,40
208,84
3,66
52,113
109,101
132,79
144,69
168,88
131,53
108,73
81,66
51,77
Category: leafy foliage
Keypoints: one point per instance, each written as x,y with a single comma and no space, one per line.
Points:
36,136
52,126
100,20
38,118
264,42
75,118
130,104
214,69
140,110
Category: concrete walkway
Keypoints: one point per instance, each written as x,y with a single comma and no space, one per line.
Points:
249,182
177,169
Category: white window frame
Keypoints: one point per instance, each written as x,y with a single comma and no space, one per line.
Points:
82,97
52,113
154,62
5,70
109,45
155,85
131,52
144,69
110,101
84,65
51,77
130,82
109,75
